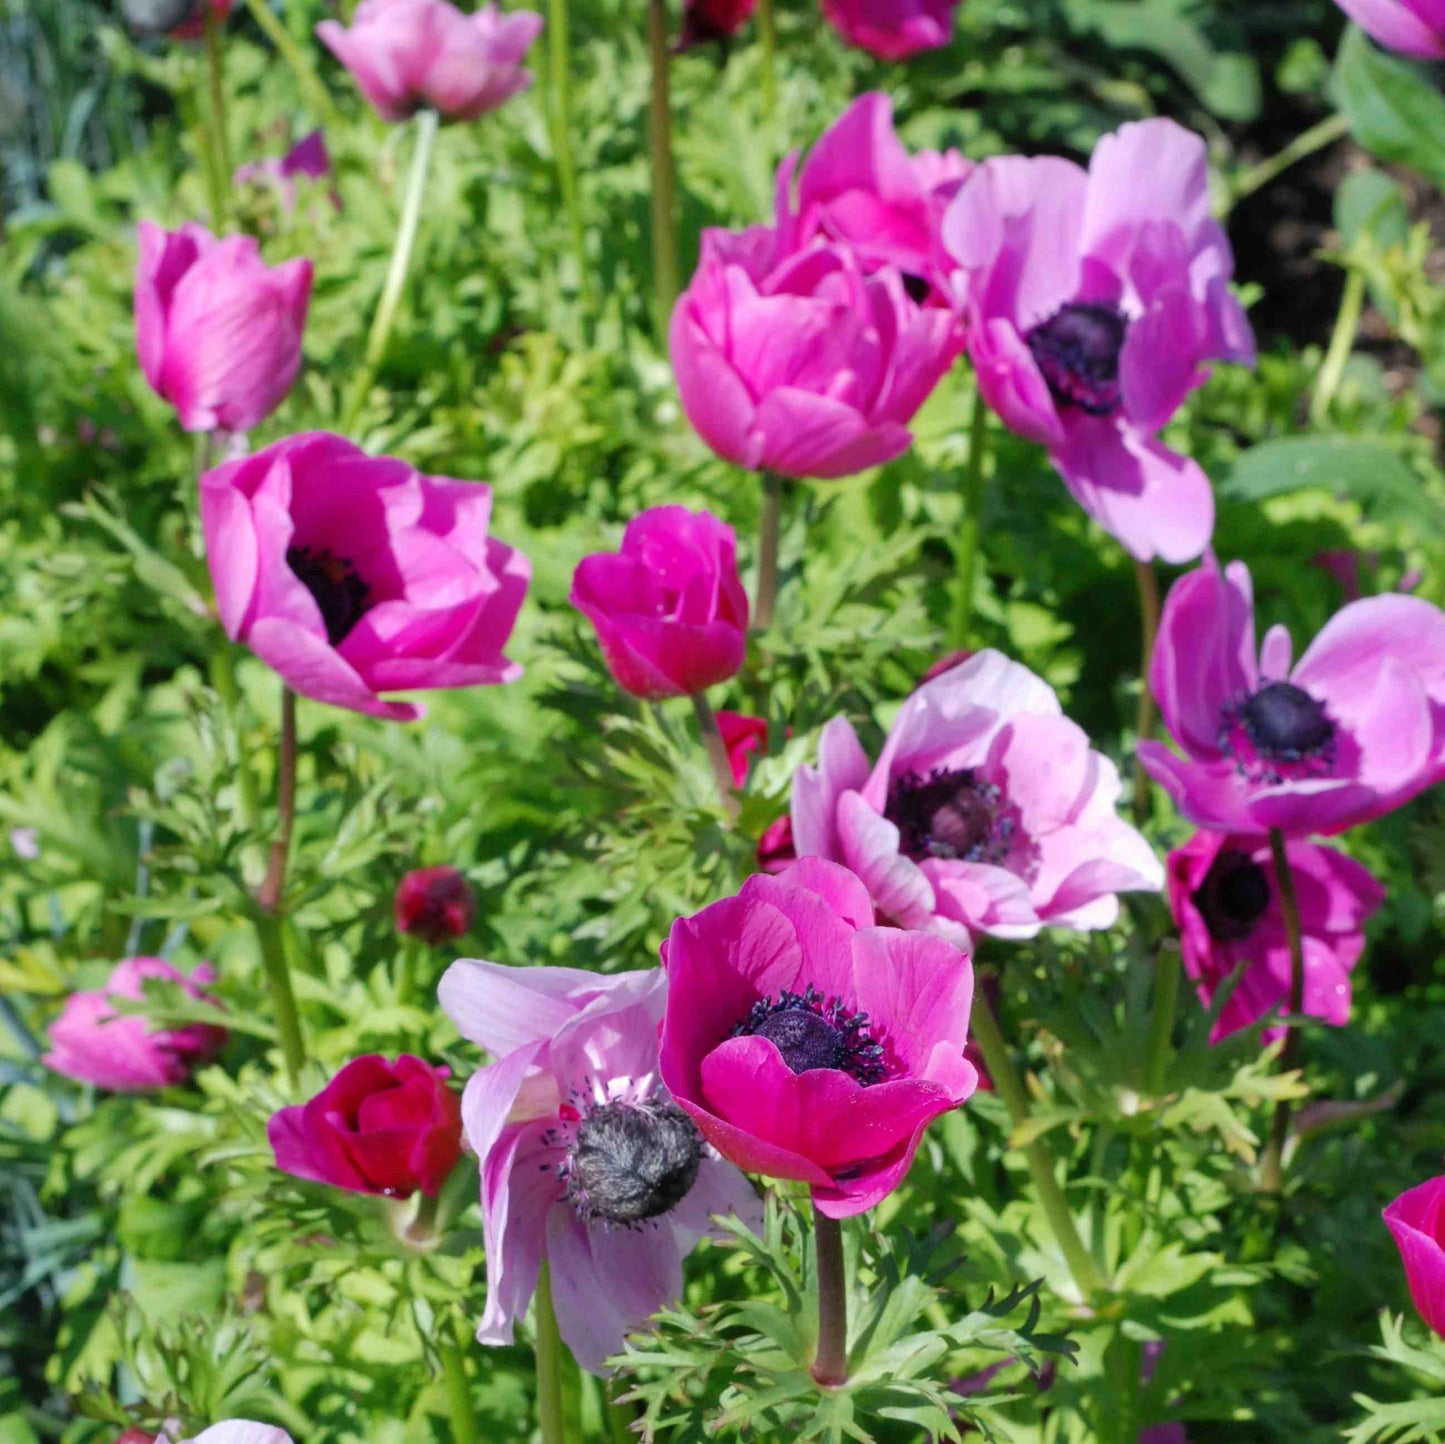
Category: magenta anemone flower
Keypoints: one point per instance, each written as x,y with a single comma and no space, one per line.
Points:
308,157
94,1043
669,607
586,1161
809,1044
354,575
742,736
1417,1221
1224,895
408,55
217,330
986,812
1093,302
1353,730
1413,27
892,29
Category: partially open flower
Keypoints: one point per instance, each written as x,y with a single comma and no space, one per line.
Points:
892,29
809,1044
742,736
1417,1221
1413,27
434,904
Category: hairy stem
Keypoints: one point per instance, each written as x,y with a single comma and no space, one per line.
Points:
1167,968
216,118
970,527
664,180
312,90
1144,721
830,1363
559,119
717,752
768,536
1342,343
460,1407
1272,1168
549,1362
1316,138
768,72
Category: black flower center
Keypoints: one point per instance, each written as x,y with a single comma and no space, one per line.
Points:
1233,897
335,584
949,814
1077,350
632,1161
1284,723
812,1032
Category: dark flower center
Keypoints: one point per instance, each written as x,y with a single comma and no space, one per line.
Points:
950,814
335,584
632,1161
812,1032
1285,723
1077,350
1233,897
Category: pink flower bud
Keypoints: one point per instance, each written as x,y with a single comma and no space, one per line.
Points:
1417,1220
434,904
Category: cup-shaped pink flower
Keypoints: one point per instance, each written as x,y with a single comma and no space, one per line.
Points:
892,29
1225,897
586,1161
1413,27
354,575
809,1044
1351,731
377,1127
800,358
1417,1221
94,1043
218,331
860,185
410,55
986,811
669,607
1094,301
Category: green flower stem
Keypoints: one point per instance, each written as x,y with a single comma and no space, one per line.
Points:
1342,343
216,113
460,1408
830,1363
1316,138
1272,1169
549,1362
413,950
1051,1198
318,102
768,72
223,679
427,122
664,180
559,122
620,1417
970,528
768,536
269,920
1144,721
1167,968
717,752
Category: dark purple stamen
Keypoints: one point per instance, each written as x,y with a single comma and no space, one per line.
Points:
950,814
1233,897
1284,721
335,584
813,1032
1077,350
632,1161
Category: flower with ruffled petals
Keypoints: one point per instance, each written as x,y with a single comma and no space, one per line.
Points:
809,1044
354,575
669,607
987,811
1351,731
218,331
1225,897
407,55
586,1161
1094,302
1417,1221
94,1043
1413,27
892,29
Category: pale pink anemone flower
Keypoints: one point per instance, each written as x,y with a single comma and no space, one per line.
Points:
1094,301
410,55
892,29
860,185
1224,894
1413,27
586,1161
986,812
217,330
236,1431
1351,731
352,575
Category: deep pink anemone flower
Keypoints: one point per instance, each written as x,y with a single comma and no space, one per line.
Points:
434,904
1351,731
1225,898
892,29
354,575
809,1044
1413,27
586,1161
1417,1221
705,20
1094,301
987,810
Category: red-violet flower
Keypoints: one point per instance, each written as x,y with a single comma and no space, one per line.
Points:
1417,1221
892,29
434,904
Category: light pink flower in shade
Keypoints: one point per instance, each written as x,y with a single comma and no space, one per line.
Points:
377,1127
408,55
986,811
794,356
1413,27
240,1431
1417,1220
859,185
354,575
218,331
1094,301
586,1161
308,157
1224,894
742,736
669,607
809,1044
892,29
93,1043
1351,731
